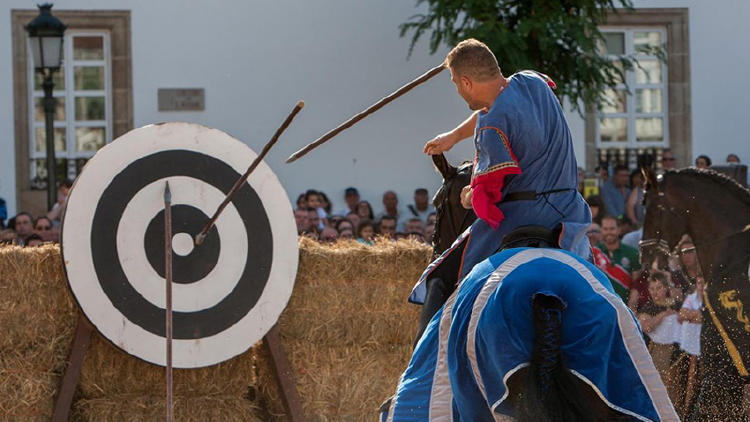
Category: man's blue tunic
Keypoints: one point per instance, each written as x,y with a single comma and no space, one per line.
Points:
484,334
524,139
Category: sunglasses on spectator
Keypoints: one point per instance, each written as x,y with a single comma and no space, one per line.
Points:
667,159
687,250
593,231
43,227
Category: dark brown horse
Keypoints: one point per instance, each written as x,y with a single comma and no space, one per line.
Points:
452,217
715,211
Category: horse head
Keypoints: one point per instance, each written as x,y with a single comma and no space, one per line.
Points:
664,225
452,217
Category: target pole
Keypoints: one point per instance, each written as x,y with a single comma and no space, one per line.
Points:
168,277
241,181
361,115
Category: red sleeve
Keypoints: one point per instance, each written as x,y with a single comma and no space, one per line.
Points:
487,192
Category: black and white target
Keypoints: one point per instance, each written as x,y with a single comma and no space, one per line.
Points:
227,292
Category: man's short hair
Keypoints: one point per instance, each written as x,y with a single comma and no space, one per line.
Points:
387,217
474,59
611,217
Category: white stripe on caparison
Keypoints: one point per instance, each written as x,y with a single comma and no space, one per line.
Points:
441,396
629,331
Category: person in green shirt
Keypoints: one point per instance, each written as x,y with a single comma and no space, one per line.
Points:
620,255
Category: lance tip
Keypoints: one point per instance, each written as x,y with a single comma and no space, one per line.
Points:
300,104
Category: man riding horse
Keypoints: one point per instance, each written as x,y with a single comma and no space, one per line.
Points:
525,171
537,334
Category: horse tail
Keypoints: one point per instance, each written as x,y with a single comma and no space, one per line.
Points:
550,392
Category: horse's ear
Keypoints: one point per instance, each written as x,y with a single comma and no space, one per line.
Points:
443,166
649,177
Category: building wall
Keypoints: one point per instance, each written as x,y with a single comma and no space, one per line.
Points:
256,59
718,56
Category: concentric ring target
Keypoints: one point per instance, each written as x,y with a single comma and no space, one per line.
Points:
227,292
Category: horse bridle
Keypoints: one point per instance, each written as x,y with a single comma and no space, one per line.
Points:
659,244
444,205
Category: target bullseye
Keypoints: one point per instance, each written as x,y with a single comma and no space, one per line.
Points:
182,244
227,292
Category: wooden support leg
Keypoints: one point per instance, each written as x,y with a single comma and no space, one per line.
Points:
283,373
72,371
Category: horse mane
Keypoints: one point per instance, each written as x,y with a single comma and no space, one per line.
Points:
465,163
737,190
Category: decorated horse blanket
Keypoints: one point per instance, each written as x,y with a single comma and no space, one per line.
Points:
460,369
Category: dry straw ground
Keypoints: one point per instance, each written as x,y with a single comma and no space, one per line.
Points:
347,330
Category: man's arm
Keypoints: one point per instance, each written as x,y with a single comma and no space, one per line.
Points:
445,141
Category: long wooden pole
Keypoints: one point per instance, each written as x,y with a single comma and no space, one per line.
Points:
238,184
168,277
373,108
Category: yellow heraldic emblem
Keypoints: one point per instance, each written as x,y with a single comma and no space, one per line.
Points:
730,301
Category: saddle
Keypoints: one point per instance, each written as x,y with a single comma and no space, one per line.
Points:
533,236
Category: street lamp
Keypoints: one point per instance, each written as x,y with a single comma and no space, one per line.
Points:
46,35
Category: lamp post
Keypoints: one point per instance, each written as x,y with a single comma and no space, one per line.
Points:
46,35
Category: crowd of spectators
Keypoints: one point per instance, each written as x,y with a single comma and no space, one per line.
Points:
24,229
666,302
315,218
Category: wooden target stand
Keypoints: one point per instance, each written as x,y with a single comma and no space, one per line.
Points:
271,343
271,340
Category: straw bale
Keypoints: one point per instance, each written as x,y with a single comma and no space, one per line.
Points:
108,372
337,383
350,260
348,329
38,318
145,407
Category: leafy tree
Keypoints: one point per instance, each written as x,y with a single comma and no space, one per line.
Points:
558,37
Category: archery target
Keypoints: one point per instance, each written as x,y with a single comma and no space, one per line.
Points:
227,292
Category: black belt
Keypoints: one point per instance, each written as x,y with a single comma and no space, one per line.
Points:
529,195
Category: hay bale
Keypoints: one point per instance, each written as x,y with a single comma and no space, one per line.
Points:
109,372
139,407
348,330
38,318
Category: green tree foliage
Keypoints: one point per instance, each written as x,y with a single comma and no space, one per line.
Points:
558,37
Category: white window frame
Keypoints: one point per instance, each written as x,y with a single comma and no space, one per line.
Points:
69,94
631,114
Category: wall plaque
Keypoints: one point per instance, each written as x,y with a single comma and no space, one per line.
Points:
181,99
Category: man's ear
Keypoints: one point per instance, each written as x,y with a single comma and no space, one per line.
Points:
466,83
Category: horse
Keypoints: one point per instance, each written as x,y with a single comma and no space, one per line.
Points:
715,211
452,218
563,325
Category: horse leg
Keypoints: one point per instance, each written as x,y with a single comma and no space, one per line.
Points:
692,384
437,293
